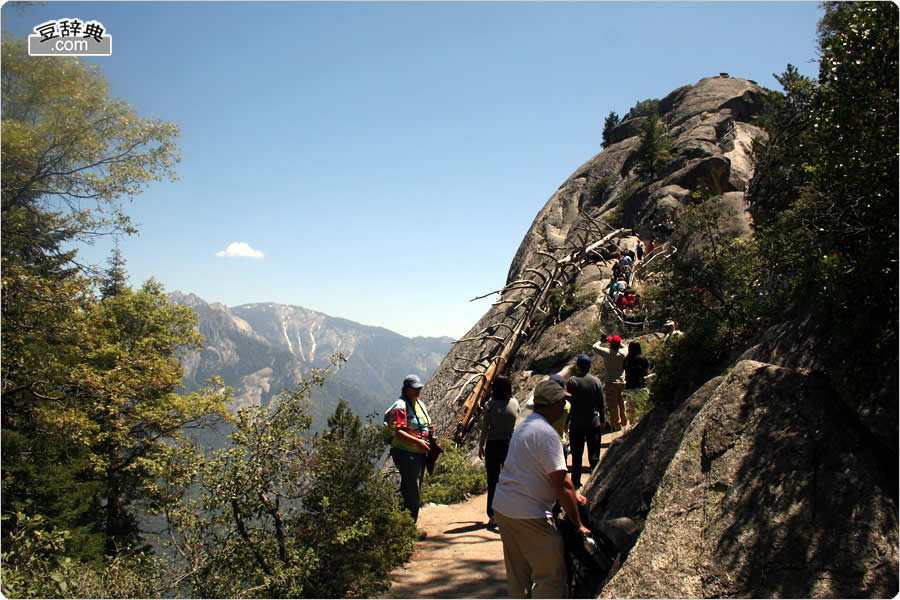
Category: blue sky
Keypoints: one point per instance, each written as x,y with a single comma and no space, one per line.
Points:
384,160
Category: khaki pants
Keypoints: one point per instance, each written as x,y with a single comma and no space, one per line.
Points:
616,406
533,553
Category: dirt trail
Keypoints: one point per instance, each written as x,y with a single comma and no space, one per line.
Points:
461,557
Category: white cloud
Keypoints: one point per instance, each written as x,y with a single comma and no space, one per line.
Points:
240,249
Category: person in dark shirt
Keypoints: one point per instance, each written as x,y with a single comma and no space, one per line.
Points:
586,422
499,421
636,369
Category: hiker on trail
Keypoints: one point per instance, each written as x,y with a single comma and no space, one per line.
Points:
640,249
499,421
616,269
670,331
612,288
533,477
586,422
636,369
613,359
626,261
411,442
561,425
632,298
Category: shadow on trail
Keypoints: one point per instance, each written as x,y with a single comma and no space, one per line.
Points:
462,559
475,526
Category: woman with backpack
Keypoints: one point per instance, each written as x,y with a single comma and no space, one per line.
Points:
411,442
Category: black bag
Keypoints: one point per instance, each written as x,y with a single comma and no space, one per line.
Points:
591,562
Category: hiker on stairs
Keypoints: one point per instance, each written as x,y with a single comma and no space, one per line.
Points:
586,422
614,359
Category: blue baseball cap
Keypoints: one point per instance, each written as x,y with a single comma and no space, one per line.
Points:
583,361
558,379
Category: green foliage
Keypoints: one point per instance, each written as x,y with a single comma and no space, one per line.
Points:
37,564
585,340
66,142
34,561
104,412
280,514
88,386
825,201
688,360
564,302
655,148
80,409
355,525
644,108
612,119
716,283
455,477
639,403
825,196
599,189
114,280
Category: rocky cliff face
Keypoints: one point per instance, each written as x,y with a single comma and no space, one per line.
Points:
761,483
710,125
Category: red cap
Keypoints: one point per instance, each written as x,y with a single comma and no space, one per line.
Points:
614,339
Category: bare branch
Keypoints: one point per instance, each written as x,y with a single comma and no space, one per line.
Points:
486,295
484,337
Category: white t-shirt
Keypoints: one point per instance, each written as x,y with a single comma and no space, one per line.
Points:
525,490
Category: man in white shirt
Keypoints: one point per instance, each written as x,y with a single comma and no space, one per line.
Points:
535,476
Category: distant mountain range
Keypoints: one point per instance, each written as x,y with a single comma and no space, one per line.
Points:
261,349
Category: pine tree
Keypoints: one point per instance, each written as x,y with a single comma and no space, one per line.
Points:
612,119
115,279
656,146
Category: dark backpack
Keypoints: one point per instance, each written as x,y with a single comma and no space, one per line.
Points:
590,564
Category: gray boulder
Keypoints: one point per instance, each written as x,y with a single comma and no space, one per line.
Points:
766,496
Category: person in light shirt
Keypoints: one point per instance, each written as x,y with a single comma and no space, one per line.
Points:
614,361
534,476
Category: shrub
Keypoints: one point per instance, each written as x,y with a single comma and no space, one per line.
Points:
639,403
599,189
564,302
278,514
36,564
585,340
455,477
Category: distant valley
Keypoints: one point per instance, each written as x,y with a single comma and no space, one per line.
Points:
261,349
